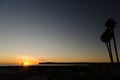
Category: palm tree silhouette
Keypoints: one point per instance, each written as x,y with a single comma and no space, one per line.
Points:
110,25
106,38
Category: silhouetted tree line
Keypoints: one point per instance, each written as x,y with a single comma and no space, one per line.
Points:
109,35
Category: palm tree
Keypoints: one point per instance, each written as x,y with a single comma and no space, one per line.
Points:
106,38
110,25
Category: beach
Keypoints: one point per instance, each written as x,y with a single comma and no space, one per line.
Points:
87,72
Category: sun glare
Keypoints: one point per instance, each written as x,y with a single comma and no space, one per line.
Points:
25,63
28,60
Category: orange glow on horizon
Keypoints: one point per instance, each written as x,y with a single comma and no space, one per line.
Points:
28,60
26,63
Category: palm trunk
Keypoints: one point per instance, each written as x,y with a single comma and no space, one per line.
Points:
115,46
109,51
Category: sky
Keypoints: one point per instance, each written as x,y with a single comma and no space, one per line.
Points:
56,30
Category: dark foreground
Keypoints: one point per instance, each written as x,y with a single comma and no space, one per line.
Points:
83,72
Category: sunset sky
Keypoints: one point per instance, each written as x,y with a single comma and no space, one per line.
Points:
55,30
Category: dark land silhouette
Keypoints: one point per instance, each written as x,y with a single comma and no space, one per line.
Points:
91,71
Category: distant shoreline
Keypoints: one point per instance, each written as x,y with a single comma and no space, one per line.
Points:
75,63
63,64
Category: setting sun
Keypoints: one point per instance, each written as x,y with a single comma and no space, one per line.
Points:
28,60
26,63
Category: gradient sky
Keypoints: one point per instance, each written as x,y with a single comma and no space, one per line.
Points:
56,30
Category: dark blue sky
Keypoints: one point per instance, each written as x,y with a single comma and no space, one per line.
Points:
56,30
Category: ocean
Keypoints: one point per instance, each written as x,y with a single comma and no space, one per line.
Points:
46,65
